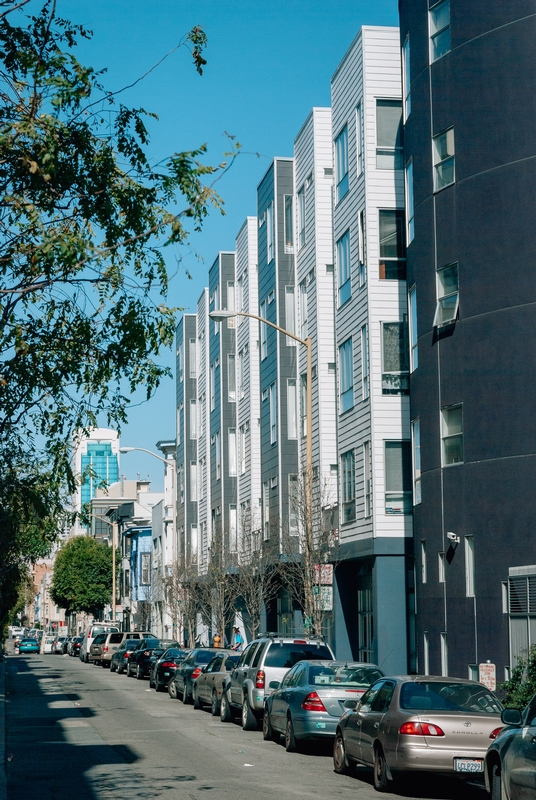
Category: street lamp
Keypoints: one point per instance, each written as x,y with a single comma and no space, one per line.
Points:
219,316
143,450
114,539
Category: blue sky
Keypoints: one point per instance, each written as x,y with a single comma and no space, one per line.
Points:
268,65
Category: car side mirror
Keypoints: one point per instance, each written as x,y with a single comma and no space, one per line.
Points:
351,704
511,716
274,685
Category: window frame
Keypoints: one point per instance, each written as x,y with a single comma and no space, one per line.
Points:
346,376
273,412
441,298
385,262
435,34
288,227
450,436
292,408
344,268
412,329
439,161
400,494
403,387
406,78
231,378
263,330
348,493
410,202
270,238
301,211
365,366
193,419
232,452
416,460
342,184
386,151
193,482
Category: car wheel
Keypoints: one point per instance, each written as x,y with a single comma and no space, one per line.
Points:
159,687
120,669
381,781
113,667
291,745
86,659
172,690
151,681
496,783
215,704
249,720
226,714
186,695
197,702
267,730
129,673
341,763
139,673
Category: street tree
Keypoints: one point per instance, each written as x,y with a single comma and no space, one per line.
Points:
82,577
258,573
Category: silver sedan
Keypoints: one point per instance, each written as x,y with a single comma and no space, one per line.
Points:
510,768
310,699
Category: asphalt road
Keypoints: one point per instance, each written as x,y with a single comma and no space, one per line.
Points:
78,731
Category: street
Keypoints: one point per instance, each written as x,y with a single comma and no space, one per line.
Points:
75,730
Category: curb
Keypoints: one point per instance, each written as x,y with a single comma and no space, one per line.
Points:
3,782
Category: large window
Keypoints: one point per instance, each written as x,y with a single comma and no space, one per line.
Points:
348,486
273,414
343,268
362,249
392,245
367,474
264,331
242,448
443,157
413,339
145,568
231,377
398,494
192,358
293,505
416,460
270,249
346,376
452,434
290,314
469,566
266,510
447,295
303,404
217,453
301,217
406,79
389,152
213,379
289,223
232,451
179,362
410,205
193,419
303,310
439,30
341,163
232,528
292,409
231,304
365,379
359,138
395,374
193,481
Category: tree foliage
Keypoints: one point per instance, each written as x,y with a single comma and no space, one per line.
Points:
521,687
82,579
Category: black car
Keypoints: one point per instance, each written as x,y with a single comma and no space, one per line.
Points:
74,646
188,670
120,658
147,651
163,668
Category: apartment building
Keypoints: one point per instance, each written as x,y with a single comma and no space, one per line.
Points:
187,436
469,148
374,450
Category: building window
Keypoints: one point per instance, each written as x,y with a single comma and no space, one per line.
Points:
426,654
303,404
192,357
359,138
240,374
413,340
201,486
443,156
444,655
231,377
470,566
265,511
179,423
303,310
180,482
145,568
367,475
231,322
416,460
362,250
264,331
424,564
343,268
346,379
348,486
398,494
240,297
441,567
410,206
273,414
292,409
193,481
301,217
194,545
392,246
452,434
193,419
439,30
447,295
270,249
202,414
233,543
293,505
365,380
289,223
217,448
242,448
216,302
290,314
341,164
179,362
232,451
395,374
406,79
213,368
389,152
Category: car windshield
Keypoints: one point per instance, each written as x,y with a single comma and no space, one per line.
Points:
204,656
130,644
286,654
446,696
359,677
173,653
99,629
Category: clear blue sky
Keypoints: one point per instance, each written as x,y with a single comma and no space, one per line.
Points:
268,64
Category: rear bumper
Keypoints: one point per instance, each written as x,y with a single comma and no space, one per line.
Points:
315,726
430,759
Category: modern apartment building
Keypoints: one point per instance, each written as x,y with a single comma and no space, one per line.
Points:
374,450
187,436
469,153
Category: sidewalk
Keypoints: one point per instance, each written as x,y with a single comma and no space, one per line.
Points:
3,786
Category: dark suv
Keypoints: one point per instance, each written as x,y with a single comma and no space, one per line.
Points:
266,659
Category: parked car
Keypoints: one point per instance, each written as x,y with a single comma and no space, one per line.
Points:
57,647
211,683
47,643
95,648
29,645
147,651
66,643
114,640
120,658
309,701
73,648
510,764
17,631
419,723
264,660
188,670
92,631
163,668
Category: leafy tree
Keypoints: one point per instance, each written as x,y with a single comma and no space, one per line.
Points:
82,579
522,684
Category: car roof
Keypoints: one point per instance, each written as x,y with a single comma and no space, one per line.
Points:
432,679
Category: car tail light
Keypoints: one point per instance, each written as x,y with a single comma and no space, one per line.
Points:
355,691
494,733
146,652
196,673
168,664
420,729
300,641
313,703
260,679
127,654
105,648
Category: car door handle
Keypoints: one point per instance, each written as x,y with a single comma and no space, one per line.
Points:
376,724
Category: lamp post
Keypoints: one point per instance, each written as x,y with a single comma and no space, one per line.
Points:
143,450
219,316
114,540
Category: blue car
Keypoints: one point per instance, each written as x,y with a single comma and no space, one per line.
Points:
29,646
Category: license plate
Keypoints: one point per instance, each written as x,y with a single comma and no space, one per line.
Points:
468,765
166,674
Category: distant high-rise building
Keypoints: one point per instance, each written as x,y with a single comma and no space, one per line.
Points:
96,461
